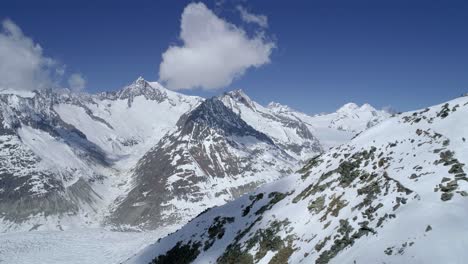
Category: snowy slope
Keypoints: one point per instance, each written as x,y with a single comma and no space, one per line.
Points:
129,121
335,128
47,167
212,157
394,194
288,132
66,157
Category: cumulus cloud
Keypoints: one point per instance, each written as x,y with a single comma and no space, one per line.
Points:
248,17
22,63
214,52
76,82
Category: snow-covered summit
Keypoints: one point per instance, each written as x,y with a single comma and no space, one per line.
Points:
140,87
288,132
349,107
279,108
238,96
352,108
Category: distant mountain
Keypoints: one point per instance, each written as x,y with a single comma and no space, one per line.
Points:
335,128
396,193
286,131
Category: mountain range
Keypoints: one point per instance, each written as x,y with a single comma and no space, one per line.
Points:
79,171
144,157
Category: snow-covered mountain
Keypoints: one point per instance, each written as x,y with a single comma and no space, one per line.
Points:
304,136
47,166
128,121
288,132
212,157
66,157
336,128
396,193
139,157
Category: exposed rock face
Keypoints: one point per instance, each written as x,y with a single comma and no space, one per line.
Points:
30,183
212,157
388,196
139,88
65,156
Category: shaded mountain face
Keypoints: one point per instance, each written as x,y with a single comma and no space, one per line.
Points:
212,157
391,195
47,166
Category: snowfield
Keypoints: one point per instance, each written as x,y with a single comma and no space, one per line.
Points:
78,246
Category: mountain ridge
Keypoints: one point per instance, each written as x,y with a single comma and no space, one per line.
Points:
102,145
383,197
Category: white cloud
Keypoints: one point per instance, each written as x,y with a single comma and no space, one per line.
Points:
76,82
214,52
22,63
248,17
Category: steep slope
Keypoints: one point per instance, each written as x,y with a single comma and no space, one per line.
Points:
335,128
64,157
127,122
285,130
394,194
212,156
47,166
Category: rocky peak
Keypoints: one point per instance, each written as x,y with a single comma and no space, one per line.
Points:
214,114
140,81
140,87
239,96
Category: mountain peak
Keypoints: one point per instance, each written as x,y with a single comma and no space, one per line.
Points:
352,107
348,107
140,80
214,114
237,92
367,107
140,87
240,96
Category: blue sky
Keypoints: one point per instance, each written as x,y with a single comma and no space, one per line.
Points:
406,54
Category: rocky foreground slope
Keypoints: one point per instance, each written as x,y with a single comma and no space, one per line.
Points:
397,193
